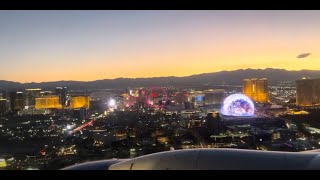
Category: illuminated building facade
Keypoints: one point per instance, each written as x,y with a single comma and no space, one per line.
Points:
80,102
33,111
196,98
256,89
48,102
17,101
141,101
308,92
31,95
45,93
3,163
3,106
62,93
214,96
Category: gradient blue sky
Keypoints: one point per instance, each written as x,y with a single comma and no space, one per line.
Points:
38,46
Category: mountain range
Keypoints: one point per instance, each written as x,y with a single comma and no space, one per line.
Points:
223,77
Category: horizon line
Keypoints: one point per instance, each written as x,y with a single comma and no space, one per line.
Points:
157,76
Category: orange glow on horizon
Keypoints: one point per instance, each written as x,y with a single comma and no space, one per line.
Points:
206,58
178,68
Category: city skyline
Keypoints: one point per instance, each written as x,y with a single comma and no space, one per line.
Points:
42,46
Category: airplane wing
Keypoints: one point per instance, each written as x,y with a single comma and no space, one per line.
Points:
211,159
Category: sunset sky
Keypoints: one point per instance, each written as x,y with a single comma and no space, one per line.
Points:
37,46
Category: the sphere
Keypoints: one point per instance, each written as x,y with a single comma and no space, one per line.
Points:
237,105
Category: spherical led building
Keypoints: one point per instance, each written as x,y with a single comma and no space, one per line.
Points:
237,105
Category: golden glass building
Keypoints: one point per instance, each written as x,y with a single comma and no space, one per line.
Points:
256,89
48,102
308,92
80,102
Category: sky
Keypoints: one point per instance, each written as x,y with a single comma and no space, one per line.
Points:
39,46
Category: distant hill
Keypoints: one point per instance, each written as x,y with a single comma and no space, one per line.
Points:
224,77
